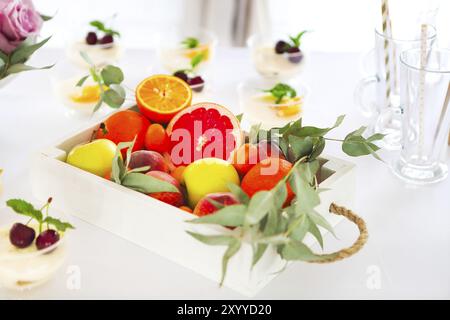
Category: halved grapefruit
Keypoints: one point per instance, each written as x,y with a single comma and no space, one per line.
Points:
203,130
160,97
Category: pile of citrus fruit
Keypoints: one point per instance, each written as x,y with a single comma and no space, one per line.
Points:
200,149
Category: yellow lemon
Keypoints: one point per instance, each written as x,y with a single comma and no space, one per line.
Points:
207,176
95,157
88,94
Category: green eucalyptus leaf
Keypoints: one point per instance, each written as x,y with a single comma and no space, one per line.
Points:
24,52
233,248
141,169
258,253
317,218
239,117
296,250
112,75
299,227
24,208
146,184
97,106
254,133
82,81
217,240
259,206
356,146
314,230
20,67
229,216
58,224
113,98
280,195
237,191
300,147
308,170
274,240
319,146
46,18
87,59
307,197
318,132
376,137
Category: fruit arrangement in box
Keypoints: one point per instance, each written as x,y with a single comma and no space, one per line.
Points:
261,185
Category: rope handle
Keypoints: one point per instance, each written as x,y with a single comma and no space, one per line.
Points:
357,245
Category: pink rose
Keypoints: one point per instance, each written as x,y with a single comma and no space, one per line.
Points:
18,21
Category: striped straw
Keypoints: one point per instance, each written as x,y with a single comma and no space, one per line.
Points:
423,62
386,31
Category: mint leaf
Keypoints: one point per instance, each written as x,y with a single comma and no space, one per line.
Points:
281,90
58,224
24,208
195,61
296,40
190,42
100,26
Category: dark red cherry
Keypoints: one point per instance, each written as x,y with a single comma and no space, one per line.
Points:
47,238
295,55
21,235
91,38
281,47
182,75
107,39
197,83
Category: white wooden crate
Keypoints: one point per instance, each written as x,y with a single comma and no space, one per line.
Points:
159,227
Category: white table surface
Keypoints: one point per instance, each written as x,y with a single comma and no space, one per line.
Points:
409,244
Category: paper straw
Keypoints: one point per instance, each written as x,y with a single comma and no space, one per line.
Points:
442,116
386,31
423,62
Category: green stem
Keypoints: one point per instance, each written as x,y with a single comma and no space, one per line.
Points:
331,139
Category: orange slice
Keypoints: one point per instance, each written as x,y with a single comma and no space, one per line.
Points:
161,97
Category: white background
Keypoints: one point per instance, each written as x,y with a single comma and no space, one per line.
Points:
344,25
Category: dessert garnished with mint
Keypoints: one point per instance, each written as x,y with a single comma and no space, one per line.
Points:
190,76
41,229
278,58
182,54
33,248
281,99
101,34
291,48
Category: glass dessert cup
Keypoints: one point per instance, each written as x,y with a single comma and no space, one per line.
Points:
174,56
100,54
259,107
22,269
64,78
270,64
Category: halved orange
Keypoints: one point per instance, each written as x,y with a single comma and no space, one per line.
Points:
161,97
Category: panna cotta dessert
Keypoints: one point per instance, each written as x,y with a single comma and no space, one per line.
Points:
271,104
100,43
277,59
33,250
178,52
78,99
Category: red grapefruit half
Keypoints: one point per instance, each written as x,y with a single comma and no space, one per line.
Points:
203,130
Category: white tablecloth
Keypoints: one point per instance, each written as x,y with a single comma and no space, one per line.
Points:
407,256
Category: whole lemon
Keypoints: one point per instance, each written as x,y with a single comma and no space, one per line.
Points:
206,176
95,157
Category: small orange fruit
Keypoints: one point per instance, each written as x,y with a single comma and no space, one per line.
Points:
178,174
245,158
265,176
160,97
156,138
124,126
